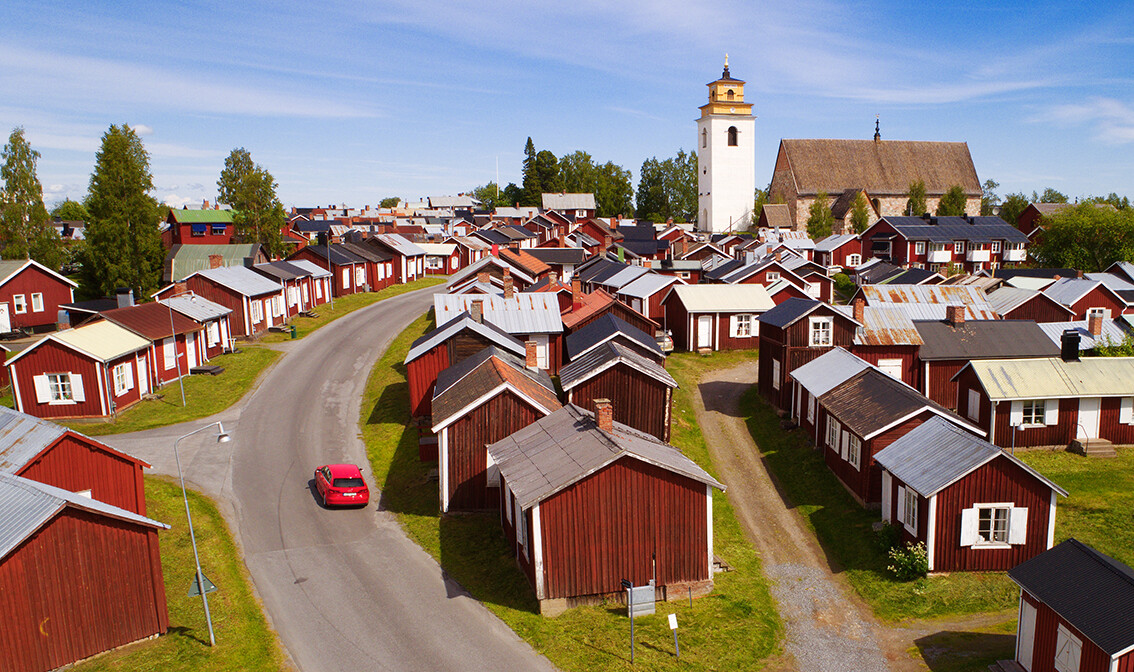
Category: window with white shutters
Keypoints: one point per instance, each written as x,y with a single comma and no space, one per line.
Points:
854,451
834,427
997,525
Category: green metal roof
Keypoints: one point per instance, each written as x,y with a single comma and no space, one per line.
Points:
202,216
188,259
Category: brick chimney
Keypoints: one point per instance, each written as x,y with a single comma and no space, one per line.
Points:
508,288
476,310
216,261
576,293
606,241
859,310
180,288
604,414
205,204
778,256
1094,324
955,315
1079,274
531,355
482,277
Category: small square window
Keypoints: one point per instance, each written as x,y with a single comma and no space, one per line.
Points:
820,333
995,246
60,386
1034,412
772,276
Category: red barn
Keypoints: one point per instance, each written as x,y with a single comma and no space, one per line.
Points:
639,387
77,576
479,401
586,502
30,295
92,371
1075,605
449,344
973,505
792,334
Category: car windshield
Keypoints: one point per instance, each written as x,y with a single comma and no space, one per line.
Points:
348,483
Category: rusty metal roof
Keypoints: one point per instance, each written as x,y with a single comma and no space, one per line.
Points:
933,298
1053,378
883,325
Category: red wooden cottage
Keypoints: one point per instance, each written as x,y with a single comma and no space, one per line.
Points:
297,285
77,576
449,344
199,226
853,419
585,308
344,266
479,401
491,269
841,251
973,505
639,387
586,502
177,343
1015,303
441,258
378,265
30,295
213,317
792,334
1052,401
645,294
526,316
715,317
469,249
408,259
887,339
610,329
49,453
1086,297
321,282
256,302
92,371
1075,606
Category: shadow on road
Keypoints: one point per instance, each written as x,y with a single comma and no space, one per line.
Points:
949,650
718,395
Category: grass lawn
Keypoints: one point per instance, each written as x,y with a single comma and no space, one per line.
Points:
735,627
204,395
6,398
843,528
1098,511
347,305
244,640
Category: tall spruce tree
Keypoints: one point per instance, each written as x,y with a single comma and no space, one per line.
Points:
532,186
123,242
258,216
860,213
23,221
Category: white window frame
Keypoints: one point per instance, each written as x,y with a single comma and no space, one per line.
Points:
819,331
123,376
958,247
775,374
810,407
909,510
888,365
742,325
834,431
1126,411
992,511
854,259
257,311
169,353
346,278
772,276
854,451
19,304
919,247
1034,411
996,247
1097,310
37,302
60,387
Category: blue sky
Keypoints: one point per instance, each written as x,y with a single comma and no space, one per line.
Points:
348,102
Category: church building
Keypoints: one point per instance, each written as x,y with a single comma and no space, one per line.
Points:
726,156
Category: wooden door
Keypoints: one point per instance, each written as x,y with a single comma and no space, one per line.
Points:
1088,427
1026,635
704,331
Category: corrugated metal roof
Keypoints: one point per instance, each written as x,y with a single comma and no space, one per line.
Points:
241,280
104,340
188,259
983,339
400,244
883,325
623,277
438,249
1005,299
197,307
22,437
605,356
459,323
567,446
471,242
834,242
568,201
315,270
937,453
606,328
724,298
1026,282
1113,333
1069,290
524,313
1087,589
1053,378
828,370
470,271
647,285
975,302
28,504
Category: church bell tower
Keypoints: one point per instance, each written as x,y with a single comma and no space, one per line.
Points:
726,158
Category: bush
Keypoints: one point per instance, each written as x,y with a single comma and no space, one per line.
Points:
888,537
909,563
844,284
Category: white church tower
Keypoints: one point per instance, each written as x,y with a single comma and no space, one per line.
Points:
726,157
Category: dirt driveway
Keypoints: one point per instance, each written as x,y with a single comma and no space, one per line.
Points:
827,626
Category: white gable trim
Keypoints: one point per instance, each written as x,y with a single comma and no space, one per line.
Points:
485,397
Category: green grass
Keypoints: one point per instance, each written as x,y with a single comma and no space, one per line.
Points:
843,529
244,640
735,627
347,305
204,395
1098,511
6,398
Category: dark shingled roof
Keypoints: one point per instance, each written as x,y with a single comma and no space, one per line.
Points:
1091,591
1049,273
793,309
465,382
871,400
558,255
605,328
949,229
984,339
723,269
458,324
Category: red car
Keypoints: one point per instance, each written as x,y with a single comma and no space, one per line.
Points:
340,484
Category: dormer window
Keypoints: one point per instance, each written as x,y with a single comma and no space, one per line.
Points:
732,133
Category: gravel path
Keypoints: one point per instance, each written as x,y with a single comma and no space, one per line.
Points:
827,628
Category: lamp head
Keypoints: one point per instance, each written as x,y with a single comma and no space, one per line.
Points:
223,437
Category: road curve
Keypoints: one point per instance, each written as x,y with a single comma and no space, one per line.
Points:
346,590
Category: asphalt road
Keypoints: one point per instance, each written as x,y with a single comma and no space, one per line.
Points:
345,589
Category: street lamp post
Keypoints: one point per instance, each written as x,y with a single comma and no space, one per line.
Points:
222,437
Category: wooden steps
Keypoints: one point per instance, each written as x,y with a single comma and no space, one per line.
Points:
1006,666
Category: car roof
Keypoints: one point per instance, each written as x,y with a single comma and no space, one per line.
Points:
343,470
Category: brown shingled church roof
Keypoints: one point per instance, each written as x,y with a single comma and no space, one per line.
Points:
884,167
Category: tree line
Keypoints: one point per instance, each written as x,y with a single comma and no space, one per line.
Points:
666,188
122,244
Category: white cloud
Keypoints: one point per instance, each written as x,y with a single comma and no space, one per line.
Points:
142,129
1112,120
175,201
